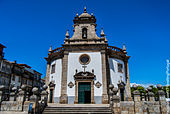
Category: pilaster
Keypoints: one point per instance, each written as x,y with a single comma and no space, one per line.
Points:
63,97
104,78
129,98
47,74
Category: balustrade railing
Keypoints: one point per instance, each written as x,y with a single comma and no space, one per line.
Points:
57,50
115,48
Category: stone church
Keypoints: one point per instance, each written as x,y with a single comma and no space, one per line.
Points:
81,71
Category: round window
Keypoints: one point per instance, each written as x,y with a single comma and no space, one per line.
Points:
84,59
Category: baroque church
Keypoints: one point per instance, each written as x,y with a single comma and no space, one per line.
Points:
81,71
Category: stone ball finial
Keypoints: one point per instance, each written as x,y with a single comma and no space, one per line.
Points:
45,87
159,86
23,87
149,89
135,86
115,90
111,86
111,93
146,90
35,90
2,87
14,89
19,90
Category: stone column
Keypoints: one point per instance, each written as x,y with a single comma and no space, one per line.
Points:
111,86
21,97
34,100
21,94
114,100
63,97
104,78
150,94
13,94
136,94
129,97
162,100
137,101
143,97
44,95
1,93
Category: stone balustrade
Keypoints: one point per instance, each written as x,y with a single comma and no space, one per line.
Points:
143,103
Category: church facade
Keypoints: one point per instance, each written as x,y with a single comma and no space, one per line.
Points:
81,71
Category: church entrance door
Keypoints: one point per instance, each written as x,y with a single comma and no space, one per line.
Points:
84,92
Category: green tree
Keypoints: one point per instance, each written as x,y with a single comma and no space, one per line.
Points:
140,89
154,90
166,89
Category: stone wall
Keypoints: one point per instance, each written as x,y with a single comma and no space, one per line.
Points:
140,104
11,106
19,101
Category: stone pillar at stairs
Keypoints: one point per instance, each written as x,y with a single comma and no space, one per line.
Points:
162,100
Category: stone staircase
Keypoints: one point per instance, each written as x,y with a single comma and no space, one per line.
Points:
77,109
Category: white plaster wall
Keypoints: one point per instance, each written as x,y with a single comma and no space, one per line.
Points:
57,76
95,63
114,74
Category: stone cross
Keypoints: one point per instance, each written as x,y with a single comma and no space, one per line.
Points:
84,68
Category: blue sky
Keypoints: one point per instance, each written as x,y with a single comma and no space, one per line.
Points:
28,27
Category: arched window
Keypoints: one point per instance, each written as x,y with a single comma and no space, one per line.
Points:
84,33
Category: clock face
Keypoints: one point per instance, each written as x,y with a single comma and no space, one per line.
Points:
84,59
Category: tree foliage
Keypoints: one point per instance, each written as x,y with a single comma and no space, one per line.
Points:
141,89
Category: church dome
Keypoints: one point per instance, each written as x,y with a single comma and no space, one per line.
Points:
85,14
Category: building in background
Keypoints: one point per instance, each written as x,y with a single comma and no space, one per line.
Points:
13,74
1,50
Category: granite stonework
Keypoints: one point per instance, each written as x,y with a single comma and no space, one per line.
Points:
138,105
21,103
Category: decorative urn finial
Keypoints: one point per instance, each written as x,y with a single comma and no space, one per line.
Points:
67,34
102,33
85,10
77,15
105,39
124,49
50,49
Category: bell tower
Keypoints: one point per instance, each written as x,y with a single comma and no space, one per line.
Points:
85,30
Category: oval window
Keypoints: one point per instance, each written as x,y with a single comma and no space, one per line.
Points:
84,59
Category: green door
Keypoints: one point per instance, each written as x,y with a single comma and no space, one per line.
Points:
51,95
84,92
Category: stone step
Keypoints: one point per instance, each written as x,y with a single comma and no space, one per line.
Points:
77,109
91,108
77,113
62,110
77,105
